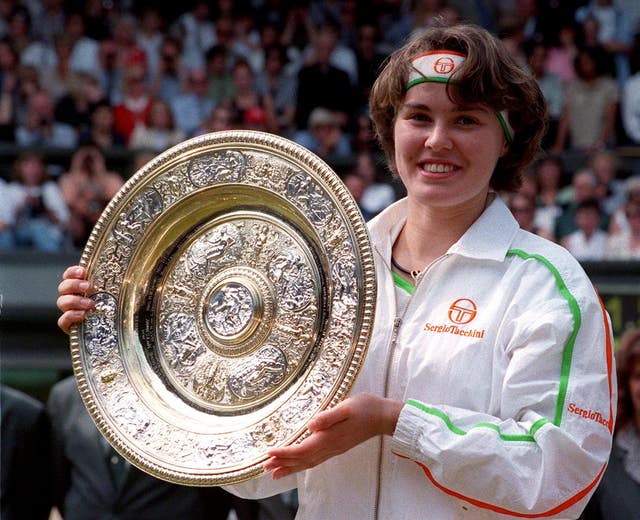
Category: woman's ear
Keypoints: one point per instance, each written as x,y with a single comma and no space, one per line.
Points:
505,148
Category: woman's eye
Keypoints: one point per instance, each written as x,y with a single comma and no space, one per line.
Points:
467,120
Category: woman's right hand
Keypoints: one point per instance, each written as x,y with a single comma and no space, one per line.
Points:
72,300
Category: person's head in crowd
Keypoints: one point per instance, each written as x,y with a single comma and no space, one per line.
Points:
324,42
225,31
523,209
170,51
269,34
632,188
628,372
220,119
198,81
9,56
356,185
549,173
530,184
584,185
160,116
477,80
587,64
102,129
151,20
324,125
108,55
588,216
275,59
124,31
632,214
30,169
604,165
243,76
19,26
40,109
536,58
74,26
134,84
216,60
589,32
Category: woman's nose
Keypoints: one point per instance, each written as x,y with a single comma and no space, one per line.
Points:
438,137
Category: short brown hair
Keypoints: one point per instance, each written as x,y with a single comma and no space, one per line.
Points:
489,75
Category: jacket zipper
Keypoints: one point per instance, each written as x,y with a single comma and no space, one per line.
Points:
397,321
392,345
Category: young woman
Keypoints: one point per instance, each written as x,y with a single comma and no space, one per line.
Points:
487,387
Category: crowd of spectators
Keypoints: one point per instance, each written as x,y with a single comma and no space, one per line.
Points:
90,78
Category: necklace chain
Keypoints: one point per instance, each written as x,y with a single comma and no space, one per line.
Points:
413,274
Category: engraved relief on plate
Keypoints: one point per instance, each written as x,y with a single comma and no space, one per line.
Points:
235,324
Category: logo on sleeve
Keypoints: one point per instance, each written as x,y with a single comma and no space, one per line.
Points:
461,312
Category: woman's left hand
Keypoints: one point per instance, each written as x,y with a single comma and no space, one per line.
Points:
335,431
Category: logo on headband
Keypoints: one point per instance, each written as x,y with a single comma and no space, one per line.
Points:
444,65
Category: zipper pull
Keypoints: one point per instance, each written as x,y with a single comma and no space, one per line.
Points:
396,325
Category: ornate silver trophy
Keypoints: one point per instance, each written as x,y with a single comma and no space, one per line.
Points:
235,296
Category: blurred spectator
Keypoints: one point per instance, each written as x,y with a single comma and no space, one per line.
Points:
9,59
56,78
562,53
40,127
84,55
98,18
92,480
220,119
40,213
75,108
48,20
590,109
87,187
618,494
128,52
19,28
364,139
324,136
321,84
511,33
610,190
197,32
614,33
108,72
246,102
136,103
369,58
167,81
160,131
280,85
524,210
630,103
619,221
377,193
7,216
625,245
355,184
551,86
193,104
220,79
101,129
588,242
150,37
548,175
583,187
25,478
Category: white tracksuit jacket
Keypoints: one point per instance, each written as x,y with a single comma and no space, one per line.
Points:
504,359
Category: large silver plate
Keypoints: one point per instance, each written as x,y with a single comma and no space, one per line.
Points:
235,293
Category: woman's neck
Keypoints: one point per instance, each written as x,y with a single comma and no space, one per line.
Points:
429,232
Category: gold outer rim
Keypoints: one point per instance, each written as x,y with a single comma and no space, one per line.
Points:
320,171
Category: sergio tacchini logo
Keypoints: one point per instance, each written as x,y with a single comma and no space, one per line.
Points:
461,312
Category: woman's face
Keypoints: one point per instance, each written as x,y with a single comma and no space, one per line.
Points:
445,153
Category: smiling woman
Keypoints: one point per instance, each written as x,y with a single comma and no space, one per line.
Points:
485,339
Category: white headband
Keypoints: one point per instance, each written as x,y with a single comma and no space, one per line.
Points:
439,66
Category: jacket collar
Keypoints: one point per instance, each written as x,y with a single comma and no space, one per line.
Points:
489,237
